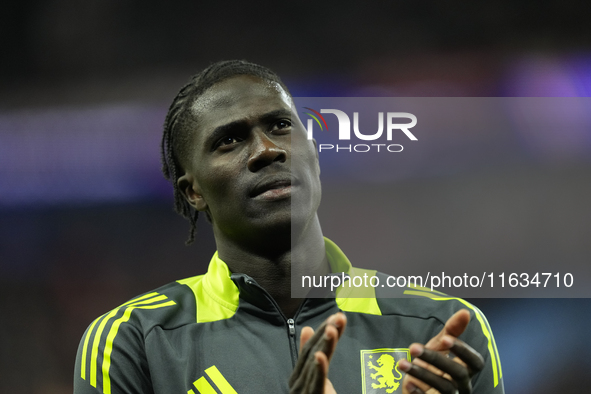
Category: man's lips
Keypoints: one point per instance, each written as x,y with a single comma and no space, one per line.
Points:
272,187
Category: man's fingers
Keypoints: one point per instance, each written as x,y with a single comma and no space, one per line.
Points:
323,342
414,389
467,357
432,368
454,326
437,382
320,372
314,378
307,338
329,344
340,322
318,341
325,346
456,371
467,354
441,372
306,334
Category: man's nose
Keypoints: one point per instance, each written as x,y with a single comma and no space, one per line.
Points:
264,152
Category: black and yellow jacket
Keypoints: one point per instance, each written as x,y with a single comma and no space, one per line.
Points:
222,333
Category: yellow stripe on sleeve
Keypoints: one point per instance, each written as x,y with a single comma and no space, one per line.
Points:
494,344
101,327
134,300
113,333
89,334
85,346
95,346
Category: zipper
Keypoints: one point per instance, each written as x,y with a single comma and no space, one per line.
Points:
291,330
292,334
291,324
292,341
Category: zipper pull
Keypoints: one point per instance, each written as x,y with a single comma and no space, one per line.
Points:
291,324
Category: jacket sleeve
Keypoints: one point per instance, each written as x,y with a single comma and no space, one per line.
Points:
479,336
111,358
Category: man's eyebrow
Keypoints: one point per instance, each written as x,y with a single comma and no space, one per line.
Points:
279,113
222,130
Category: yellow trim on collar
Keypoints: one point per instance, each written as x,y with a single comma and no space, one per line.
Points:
217,296
350,298
217,286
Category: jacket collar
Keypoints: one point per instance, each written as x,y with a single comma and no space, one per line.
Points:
222,286
217,293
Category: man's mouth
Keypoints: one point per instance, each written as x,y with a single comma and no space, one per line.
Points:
272,188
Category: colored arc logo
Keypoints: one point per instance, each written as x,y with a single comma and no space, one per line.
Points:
316,119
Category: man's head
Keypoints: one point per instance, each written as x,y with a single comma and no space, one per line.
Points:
227,148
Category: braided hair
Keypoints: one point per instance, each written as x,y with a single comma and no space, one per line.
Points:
175,143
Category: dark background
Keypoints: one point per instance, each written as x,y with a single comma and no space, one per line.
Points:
86,220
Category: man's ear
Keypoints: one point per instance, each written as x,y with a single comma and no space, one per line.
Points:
316,151
190,189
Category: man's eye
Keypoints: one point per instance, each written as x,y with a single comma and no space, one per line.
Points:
228,140
282,124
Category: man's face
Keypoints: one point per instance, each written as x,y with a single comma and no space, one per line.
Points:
249,157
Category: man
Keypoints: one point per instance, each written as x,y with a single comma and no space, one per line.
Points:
235,151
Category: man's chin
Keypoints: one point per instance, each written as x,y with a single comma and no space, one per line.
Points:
273,222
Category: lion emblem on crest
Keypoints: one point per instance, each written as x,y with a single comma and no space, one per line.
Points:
385,373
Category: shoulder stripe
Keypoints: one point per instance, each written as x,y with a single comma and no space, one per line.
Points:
147,301
111,338
134,300
101,327
493,342
95,346
492,346
85,346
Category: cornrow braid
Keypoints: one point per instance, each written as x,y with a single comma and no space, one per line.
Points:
175,137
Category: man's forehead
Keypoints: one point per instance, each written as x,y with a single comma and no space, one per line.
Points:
238,97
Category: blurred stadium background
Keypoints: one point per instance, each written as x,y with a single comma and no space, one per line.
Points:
86,218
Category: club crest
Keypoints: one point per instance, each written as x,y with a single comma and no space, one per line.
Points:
379,370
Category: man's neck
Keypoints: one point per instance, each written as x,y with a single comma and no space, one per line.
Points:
272,267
